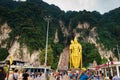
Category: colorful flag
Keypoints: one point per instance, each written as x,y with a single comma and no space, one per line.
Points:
11,59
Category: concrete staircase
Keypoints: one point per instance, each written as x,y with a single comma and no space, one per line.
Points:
64,59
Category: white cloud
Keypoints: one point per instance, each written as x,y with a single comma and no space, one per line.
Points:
72,4
90,5
20,0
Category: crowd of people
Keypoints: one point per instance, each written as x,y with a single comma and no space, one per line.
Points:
82,74
14,74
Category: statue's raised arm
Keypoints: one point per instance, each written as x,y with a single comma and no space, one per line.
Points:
71,46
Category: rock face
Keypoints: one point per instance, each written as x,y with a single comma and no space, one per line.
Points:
64,29
83,26
56,40
19,52
4,34
22,53
91,38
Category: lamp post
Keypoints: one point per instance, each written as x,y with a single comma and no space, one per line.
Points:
118,53
46,19
109,74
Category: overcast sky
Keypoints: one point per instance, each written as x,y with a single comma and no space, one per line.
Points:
101,6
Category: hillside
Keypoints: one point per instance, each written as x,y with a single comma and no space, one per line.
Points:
23,32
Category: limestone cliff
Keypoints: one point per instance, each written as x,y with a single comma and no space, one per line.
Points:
19,52
92,38
4,34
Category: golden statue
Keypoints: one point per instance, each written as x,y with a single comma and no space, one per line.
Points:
75,54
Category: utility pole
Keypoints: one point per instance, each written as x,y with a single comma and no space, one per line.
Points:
48,20
118,53
109,64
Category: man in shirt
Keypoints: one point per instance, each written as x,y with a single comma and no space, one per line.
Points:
116,77
83,76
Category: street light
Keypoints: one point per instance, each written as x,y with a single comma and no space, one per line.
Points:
109,73
46,19
118,53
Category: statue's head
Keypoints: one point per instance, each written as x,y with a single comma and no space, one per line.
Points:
75,40
72,41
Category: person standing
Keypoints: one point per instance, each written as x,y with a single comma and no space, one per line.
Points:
25,75
2,74
15,75
66,77
19,75
83,75
116,77
51,76
110,77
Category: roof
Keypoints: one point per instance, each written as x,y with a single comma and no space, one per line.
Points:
111,63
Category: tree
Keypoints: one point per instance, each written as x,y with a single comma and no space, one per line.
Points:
104,60
50,57
3,54
90,53
94,55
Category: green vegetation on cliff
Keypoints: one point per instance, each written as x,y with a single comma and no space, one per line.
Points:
3,53
26,20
